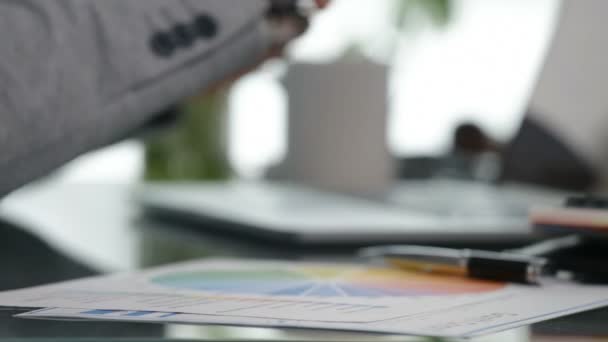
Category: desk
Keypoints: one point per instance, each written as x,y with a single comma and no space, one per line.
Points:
60,232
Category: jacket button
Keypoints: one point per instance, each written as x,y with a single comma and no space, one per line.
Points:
184,36
206,26
162,45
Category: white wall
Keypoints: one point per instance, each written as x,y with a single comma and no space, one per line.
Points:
481,68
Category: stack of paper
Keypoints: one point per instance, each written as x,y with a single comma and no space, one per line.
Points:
305,295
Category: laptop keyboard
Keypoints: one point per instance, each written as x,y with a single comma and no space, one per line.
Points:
448,198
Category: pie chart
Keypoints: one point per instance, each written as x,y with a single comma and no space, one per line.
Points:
324,281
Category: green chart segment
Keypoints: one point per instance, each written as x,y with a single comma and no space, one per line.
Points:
330,281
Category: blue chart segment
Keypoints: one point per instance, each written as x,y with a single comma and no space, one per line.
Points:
329,281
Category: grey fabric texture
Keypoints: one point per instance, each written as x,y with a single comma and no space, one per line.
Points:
77,74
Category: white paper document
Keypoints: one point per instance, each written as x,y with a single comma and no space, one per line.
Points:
306,295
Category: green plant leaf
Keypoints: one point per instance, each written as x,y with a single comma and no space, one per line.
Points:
440,11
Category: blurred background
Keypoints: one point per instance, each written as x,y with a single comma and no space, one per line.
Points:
450,63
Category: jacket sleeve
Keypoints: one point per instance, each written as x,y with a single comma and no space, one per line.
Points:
77,74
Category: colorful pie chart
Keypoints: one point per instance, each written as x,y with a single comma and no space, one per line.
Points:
324,281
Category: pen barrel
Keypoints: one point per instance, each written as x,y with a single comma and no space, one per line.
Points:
504,270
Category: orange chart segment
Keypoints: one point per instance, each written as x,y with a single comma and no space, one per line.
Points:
408,283
325,281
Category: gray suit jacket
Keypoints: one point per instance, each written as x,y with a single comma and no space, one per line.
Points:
78,74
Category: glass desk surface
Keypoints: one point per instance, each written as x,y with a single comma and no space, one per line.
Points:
52,233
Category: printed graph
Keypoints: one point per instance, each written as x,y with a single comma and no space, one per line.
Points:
324,281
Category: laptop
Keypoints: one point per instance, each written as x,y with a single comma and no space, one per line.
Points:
435,212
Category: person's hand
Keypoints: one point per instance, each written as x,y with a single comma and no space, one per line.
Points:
287,20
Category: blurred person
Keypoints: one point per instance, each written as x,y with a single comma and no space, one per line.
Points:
563,142
80,74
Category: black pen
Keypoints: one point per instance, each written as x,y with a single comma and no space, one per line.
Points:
496,266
